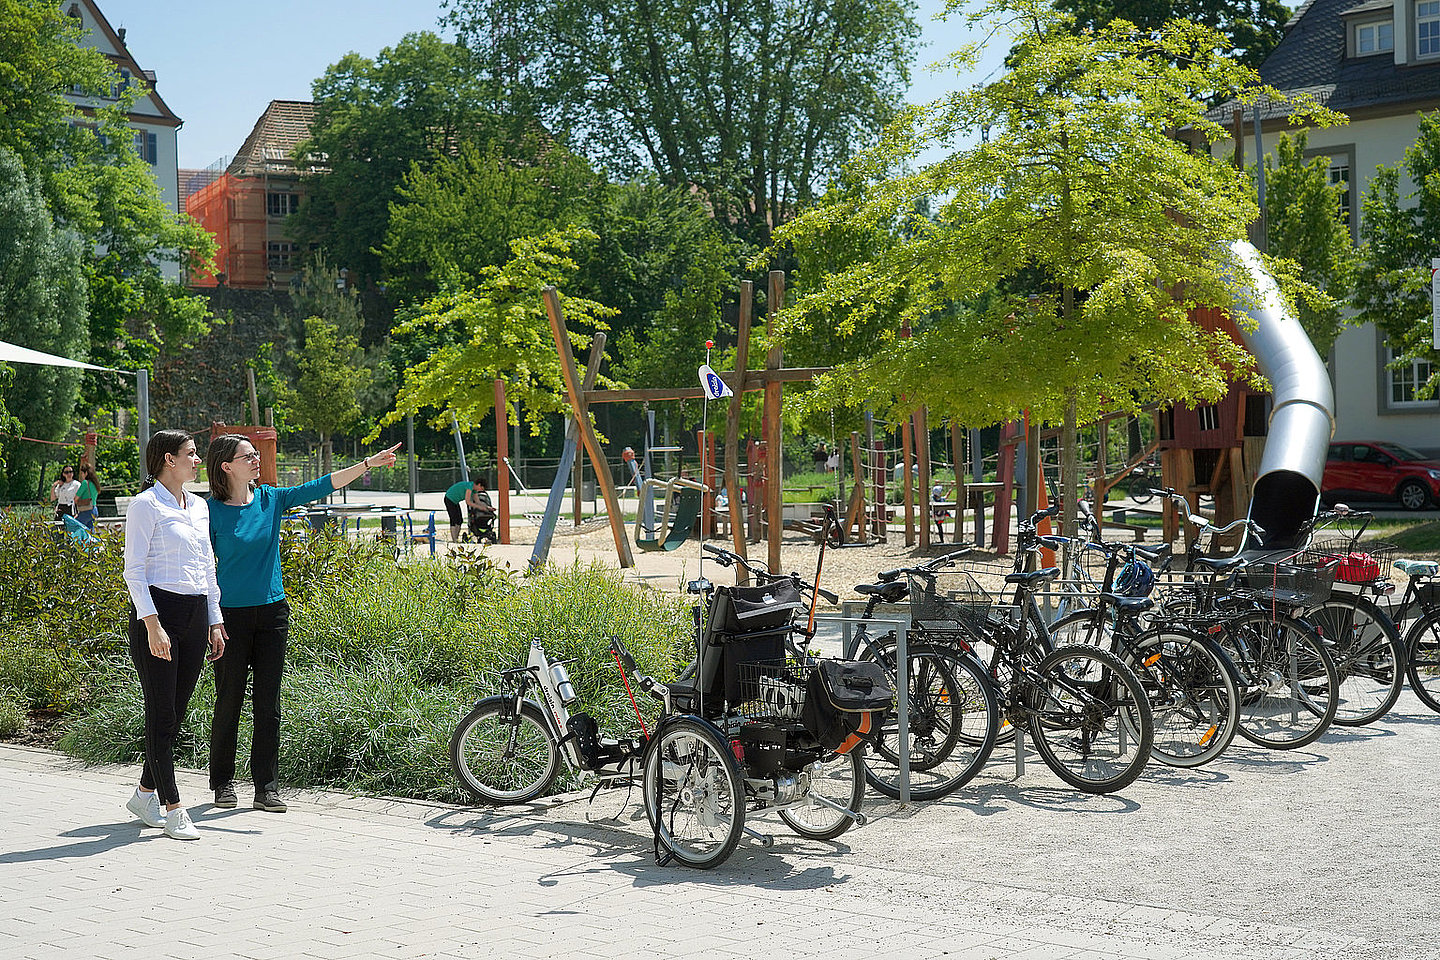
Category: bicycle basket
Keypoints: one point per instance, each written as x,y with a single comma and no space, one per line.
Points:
1296,582
946,598
772,689
1352,564
742,610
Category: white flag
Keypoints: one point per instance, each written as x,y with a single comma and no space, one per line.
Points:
715,388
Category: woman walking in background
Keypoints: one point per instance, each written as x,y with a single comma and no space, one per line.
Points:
86,496
174,616
245,530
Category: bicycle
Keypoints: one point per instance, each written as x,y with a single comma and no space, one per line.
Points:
1190,681
1422,639
1287,676
729,741
1086,712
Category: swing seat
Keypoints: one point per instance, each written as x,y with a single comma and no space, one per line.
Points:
682,507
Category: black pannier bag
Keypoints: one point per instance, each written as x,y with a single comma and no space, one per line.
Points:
845,702
747,626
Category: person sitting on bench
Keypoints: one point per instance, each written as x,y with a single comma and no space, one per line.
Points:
482,512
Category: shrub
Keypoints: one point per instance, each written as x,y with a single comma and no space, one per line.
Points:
13,713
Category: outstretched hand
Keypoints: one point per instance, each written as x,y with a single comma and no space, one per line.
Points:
385,458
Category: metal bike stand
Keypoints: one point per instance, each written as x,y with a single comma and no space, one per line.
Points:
902,668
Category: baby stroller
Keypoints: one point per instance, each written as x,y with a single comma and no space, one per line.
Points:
482,520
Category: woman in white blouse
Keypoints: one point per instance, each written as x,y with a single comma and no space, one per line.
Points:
63,492
174,618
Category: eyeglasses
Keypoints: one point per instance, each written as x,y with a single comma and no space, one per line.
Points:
67,472
252,457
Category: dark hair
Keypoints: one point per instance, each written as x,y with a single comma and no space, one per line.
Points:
222,451
66,466
88,473
162,444
480,482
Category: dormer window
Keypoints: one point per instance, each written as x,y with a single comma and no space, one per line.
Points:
1378,36
1427,28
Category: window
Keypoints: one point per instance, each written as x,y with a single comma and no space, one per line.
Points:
1340,176
1406,381
281,256
1377,37
1427,28
1209,417
282,204
116,89
148,146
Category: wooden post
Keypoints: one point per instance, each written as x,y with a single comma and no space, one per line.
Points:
502,470
774,480
877,480
957,455
754,489
922,453
906,456
587,431
706,441
254,400
1005,475
732,429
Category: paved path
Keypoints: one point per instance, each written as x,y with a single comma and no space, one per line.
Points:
1319,853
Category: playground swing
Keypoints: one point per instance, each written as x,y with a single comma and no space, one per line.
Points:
677,519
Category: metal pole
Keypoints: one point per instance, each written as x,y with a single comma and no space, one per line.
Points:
142,410
460,447
413,473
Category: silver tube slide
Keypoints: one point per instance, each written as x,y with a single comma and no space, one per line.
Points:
1302,419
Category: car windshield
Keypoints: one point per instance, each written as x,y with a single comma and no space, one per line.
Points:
1400,453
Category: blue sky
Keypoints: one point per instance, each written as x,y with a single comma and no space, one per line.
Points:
217,67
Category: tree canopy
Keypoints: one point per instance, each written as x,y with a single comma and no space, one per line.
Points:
1076,181
1252,28
755,102
1398,240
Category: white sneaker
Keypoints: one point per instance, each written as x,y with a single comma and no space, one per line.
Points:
178,825
147,807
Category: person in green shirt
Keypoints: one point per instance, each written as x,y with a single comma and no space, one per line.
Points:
85,497
453,498
245,518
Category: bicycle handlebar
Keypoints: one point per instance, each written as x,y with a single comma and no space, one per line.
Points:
935,563
727,559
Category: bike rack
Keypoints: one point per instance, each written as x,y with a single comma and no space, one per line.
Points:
902,665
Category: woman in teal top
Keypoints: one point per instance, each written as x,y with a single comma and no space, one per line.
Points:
453,498
245,532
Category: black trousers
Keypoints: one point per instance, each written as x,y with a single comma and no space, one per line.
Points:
255,650
168,684
453,508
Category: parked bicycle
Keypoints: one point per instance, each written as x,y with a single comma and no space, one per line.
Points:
751,731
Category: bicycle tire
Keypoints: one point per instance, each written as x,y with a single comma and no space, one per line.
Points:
1141,488
1369,656
1422,642
528,759
1080,699
1288,679
1194,698
693,793
953,717
840,778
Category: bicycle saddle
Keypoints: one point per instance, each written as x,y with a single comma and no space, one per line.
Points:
1127,605
1418,568
1219,564
1033,577
891,592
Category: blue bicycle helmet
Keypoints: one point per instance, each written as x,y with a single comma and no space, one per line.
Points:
1135,579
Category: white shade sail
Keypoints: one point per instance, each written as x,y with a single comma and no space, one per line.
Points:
12,353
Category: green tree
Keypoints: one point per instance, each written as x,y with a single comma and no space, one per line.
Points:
1398,238
414,103
325,395
1252,27
1078,182
458,215
1305,223
499,329
42,306
753,102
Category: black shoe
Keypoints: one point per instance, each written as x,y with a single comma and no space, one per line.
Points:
225,797
269,801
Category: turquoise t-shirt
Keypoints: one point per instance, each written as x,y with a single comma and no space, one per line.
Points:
247,541
457,491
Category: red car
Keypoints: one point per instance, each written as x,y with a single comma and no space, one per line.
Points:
1380,471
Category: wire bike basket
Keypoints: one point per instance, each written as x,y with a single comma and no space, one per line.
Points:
772,689
1303,580
944,599
1353,565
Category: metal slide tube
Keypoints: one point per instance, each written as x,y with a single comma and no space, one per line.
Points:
1302,419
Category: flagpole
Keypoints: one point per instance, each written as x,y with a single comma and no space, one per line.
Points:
704,438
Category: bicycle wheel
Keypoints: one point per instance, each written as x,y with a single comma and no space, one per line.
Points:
504,757
953,723
694,797
1141,488
1193,696
1089,718
1094,628
1288,679
1369,657
1423,643
838,778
